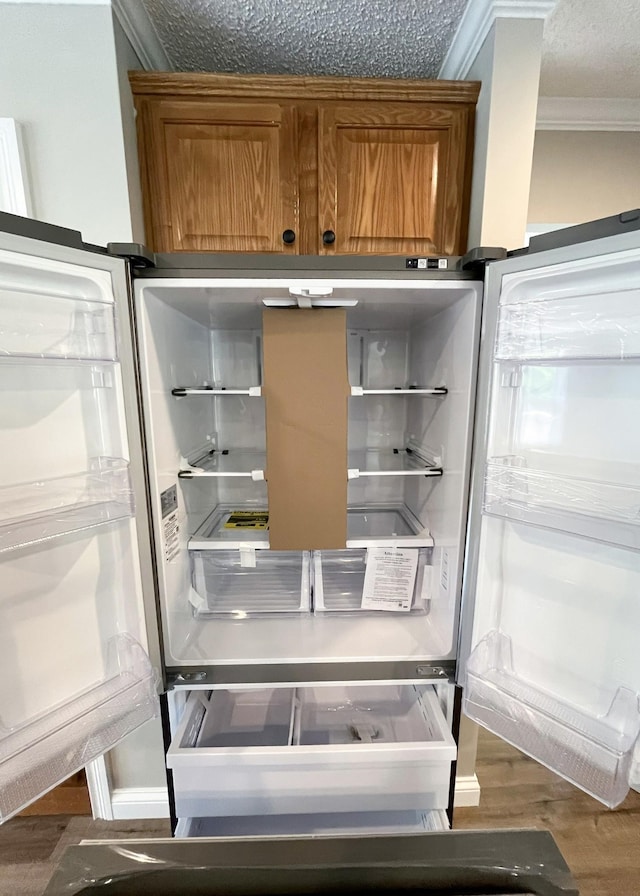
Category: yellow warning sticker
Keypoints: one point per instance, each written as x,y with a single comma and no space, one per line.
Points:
248,519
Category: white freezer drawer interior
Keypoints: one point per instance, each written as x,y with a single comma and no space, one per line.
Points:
345,824
325,749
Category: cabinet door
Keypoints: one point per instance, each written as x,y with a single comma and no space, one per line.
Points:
392,178
219,177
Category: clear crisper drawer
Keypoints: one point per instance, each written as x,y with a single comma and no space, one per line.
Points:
241,583
281,751
338,582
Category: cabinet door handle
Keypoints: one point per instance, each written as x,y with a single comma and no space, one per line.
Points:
328,237
289,237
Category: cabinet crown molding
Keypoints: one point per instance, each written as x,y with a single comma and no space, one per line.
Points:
184,84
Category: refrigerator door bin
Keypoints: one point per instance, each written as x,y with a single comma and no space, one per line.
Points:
338,582
408,770
72,319
36,512
345,824
245,582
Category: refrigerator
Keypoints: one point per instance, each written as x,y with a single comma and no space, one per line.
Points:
175,480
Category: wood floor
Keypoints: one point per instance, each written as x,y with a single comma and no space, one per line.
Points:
601,847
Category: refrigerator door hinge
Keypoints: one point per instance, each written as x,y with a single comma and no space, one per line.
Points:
476,259
139,256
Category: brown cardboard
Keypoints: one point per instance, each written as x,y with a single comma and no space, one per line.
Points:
306,389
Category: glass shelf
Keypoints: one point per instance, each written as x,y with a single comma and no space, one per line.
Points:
390,462
187,391
36,512
367,525
227,462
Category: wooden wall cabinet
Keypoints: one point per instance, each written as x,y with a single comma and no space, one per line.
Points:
304,165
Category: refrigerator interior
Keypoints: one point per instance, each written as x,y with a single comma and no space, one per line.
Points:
411,359
555,668
77,677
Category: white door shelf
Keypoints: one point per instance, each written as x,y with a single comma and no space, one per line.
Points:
187,391
338,824
593,752
575,327
359,391
54,327
315,750
32,513
236,462
338,582
51,747
367,525
241,583
603,511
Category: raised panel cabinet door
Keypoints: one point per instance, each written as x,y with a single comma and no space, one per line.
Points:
219,177
392,178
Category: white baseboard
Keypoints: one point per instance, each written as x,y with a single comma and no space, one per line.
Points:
140,802
467,791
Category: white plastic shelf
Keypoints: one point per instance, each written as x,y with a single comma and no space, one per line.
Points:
188,391
390,462
603,511
227,462
45,751
303,751
35,512
593,752
358,391
367,525
225,585
338,582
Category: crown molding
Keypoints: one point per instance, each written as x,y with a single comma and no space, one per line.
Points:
562,113
139,29
476,24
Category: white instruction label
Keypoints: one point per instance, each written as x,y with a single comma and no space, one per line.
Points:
171,536
389,579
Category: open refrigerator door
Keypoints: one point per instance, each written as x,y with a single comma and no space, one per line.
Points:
550,660
76,675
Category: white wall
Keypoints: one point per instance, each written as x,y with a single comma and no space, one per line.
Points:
63,77
581,175
508,65
58,78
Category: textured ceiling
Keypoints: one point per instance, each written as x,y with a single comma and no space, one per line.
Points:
592,48
368,38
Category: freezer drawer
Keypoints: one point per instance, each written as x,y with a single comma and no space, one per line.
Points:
343,824
353,748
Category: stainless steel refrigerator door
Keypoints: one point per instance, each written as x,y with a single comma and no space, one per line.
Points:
74,539
549,657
